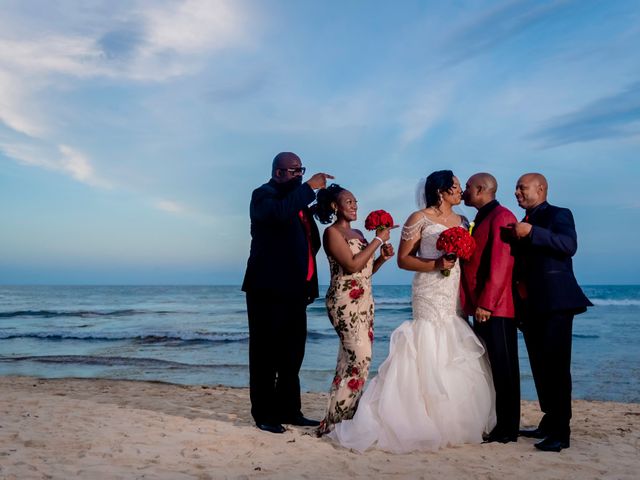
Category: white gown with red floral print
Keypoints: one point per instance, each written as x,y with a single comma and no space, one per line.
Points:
435,387
351,310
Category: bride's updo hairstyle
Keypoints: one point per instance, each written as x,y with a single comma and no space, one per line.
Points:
323,210
436,183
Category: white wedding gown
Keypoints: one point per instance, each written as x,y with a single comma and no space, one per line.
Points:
435,387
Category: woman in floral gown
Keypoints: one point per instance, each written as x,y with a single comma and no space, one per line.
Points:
349,299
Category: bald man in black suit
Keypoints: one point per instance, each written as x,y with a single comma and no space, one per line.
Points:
280,281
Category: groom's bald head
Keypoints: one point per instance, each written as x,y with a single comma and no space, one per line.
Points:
480,189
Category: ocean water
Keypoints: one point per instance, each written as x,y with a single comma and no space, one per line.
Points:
198,335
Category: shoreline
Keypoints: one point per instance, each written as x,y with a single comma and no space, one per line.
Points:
95,428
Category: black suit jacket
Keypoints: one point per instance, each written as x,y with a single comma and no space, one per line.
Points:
543,262
278,260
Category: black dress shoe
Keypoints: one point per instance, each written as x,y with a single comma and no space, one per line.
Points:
500,438
271,427
551,444
533,433
302,422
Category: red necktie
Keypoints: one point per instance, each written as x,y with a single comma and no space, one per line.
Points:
307,229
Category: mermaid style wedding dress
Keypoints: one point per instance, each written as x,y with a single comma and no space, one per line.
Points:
435,387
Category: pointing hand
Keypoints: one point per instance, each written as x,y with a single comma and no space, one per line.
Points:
319,180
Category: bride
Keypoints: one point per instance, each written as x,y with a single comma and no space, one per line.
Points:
435,387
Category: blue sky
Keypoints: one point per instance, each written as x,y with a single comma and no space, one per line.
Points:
132,133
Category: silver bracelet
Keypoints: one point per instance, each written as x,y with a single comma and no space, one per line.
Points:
378,238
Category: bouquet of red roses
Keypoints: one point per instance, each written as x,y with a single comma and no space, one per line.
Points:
378,220
456,242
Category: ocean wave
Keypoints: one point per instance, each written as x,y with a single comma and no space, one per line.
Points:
384,309
387,311
378,303
315,335
393,301
316,309
622,302
81,313
580,335
113,361
149,338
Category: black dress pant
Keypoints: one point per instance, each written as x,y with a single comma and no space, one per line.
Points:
500,336
548,340
277,336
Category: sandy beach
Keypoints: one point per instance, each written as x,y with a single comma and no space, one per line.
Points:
95,429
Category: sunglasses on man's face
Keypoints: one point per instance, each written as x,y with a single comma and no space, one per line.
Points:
299,170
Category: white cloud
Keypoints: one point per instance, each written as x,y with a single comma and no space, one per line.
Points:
79,167
192,26
427,109
147,41
150,41
169,206
51,54
27,155
15,109
199,217
356,109
45,56
503,22
72,162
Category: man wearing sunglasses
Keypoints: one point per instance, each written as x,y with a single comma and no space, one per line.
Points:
280,281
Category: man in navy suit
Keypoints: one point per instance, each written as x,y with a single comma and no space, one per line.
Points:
547,298
280,281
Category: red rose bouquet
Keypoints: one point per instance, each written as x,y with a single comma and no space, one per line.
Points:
378,220
456,242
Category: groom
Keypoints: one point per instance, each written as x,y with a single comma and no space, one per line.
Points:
486,290
280,281
548,297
